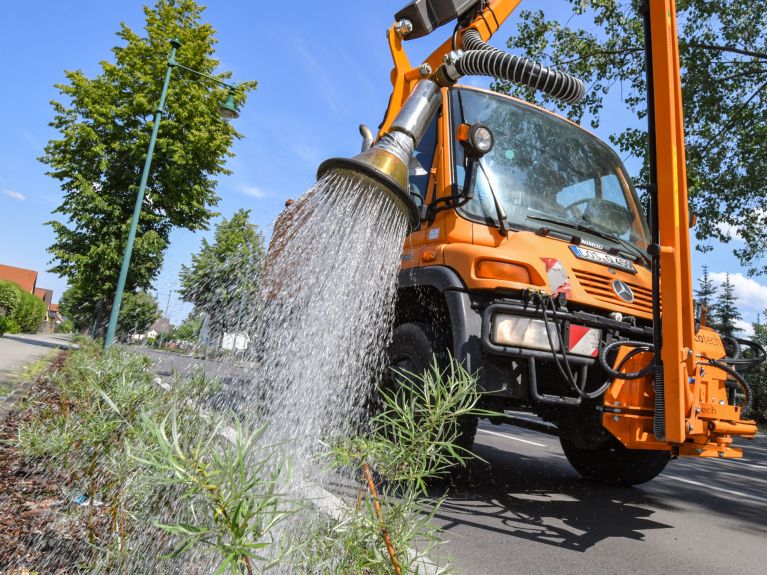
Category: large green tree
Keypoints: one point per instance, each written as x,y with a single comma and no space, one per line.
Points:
723,50
222,279
104,126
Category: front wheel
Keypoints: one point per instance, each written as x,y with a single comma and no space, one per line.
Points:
614,464
413,349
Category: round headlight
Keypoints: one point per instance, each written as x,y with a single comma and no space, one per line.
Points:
482,138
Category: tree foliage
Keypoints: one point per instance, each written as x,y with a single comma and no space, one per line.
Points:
104,125
726,309
723,51
76,308
757,376
138,312
221,280
705,296
189,330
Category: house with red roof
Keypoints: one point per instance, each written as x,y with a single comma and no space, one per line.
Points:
25,279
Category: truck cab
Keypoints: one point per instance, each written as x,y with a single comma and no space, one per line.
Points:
526,269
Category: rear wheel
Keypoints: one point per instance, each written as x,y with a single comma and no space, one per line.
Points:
413,348
614,464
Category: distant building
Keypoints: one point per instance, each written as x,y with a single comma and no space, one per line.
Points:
46,295
161,326
25,279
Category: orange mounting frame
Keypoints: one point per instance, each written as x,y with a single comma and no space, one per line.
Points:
404,76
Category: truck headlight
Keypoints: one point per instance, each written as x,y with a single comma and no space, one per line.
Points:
516,331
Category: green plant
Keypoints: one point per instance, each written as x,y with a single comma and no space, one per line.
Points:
411,442
66,326
94,417
9,325
10,297
228,483
29,314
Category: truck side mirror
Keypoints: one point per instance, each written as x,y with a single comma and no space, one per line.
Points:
477,140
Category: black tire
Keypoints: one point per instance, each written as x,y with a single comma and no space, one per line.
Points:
614,464
413,348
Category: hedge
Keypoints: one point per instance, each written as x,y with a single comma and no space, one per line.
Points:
20,312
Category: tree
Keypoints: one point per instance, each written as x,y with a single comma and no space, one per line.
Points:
726,309
757,376
189,330
723,50
104,126
705,295
137,314
75,308
221,280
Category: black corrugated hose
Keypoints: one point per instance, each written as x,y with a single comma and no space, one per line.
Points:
481,59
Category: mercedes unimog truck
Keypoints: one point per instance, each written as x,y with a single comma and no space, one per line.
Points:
532,262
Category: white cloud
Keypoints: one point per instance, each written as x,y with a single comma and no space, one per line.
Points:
733,231
255,191
14,195
751,295
746,328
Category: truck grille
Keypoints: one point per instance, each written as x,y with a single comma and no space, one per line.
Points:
600,287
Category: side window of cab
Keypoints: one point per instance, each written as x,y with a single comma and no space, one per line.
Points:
420,166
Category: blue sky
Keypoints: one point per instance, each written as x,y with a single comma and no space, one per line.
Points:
321,71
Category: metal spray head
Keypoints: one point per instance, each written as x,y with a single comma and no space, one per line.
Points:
387,163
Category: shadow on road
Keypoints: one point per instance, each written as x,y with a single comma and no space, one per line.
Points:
540,500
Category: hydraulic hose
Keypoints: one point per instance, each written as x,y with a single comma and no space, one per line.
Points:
747,391
481,59
616,373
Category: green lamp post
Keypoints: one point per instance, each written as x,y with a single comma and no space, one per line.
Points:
228,111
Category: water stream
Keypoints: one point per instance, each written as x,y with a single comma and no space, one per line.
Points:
324,318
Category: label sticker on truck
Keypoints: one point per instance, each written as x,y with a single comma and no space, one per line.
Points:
604,259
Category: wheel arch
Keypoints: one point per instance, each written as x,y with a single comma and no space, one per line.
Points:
437,294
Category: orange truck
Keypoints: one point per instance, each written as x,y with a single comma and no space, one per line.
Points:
531,260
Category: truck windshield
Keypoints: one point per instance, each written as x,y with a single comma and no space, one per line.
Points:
546,172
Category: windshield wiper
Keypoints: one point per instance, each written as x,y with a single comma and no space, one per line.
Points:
500,212
632,249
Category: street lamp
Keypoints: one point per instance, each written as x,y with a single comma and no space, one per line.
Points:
227,110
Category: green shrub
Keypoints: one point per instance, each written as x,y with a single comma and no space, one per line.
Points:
10,297
9,325
30,313
410,443
67,326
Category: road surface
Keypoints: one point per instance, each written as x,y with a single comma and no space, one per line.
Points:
526,511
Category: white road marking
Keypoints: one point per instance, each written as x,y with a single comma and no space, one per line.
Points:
742,463
713,488
512,438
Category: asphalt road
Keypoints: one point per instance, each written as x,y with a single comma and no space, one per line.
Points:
526,511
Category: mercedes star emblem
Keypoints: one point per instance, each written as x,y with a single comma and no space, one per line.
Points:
623,291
